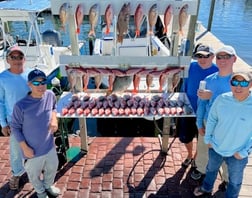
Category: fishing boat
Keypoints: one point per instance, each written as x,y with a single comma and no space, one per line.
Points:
42,49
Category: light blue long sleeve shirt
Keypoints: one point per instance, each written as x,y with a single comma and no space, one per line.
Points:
217,85
229,126
13,87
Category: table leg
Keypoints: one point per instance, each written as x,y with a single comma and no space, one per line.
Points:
165,134
83,135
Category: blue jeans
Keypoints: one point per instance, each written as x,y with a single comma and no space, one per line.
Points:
235,172
16,160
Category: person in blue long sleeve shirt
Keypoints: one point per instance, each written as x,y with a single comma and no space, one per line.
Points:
198,70
216,84
13,87
33,123
229,119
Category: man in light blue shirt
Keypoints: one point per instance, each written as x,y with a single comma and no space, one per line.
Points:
229,134
13,87
216,84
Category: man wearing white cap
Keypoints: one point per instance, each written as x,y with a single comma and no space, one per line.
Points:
216,84
229,119
13,87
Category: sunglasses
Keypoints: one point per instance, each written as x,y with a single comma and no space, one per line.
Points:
37,83
16,57
225,57
236,83
202,56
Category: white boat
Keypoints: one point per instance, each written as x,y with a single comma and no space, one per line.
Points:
41,49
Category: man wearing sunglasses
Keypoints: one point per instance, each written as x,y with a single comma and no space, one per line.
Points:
229,134
13,87
33,123
198,70
216,84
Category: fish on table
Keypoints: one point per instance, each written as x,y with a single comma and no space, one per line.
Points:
63,14
138,19
183,16
123,22
79,14
93,18
152,17
108,18
167,18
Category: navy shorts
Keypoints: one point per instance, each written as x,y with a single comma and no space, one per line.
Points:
187,129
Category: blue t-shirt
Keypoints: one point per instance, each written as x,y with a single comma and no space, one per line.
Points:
191,84
31,120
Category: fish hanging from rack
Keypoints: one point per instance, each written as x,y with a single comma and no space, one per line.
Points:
183,16
138,18
123,22
108,18
93,19
63,14
79,14
167,18
152,17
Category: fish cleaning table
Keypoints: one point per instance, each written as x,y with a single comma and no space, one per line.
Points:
160,105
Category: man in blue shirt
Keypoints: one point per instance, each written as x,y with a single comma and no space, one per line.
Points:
229,119
198,70
33,123
13,87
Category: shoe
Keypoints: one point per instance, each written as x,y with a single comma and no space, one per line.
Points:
14,182
198,191
53,191
223,186
42,195
187,162
196,175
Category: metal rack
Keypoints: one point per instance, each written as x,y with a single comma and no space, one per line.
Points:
115,61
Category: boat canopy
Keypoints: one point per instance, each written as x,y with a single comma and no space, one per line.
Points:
16,11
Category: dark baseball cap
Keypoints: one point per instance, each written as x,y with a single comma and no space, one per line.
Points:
35,74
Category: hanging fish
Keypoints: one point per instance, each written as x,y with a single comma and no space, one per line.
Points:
63,15
138,18
123,22
79,14
93,19
167,18
183,16
108,18
153,14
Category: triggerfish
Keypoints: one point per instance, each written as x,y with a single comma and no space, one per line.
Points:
123,22
183,16
93,19
152,15
63,14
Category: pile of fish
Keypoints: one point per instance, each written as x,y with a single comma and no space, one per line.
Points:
125,105
120,79
123,17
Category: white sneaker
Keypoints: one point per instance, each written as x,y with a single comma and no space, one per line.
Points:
53,191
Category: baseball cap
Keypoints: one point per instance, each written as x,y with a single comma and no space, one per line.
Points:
245,72
14,48
35,74
204,50
227,49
